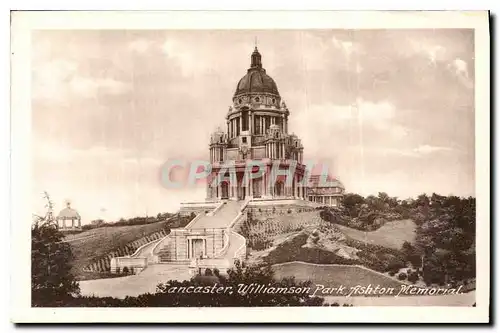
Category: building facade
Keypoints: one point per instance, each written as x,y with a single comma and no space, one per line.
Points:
257,130
325,192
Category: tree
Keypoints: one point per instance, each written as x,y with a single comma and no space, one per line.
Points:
384,197
352,202
422,200
445,238
51,280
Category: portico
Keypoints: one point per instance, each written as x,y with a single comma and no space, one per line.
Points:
196,247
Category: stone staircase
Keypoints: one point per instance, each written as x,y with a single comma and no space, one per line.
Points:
214,226
221,219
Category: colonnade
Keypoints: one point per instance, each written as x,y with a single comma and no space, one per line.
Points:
257,124
327,200
75,223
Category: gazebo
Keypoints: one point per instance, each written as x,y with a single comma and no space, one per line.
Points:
69,219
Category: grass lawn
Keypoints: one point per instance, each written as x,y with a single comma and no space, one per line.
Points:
96,243
392,234
332,276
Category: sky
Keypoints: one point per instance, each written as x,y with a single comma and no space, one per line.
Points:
386,110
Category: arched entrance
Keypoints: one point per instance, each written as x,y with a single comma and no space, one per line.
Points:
257,188
225,190
279,189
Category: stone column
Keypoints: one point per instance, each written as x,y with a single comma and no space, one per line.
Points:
296,186
262,186
250,120
264,183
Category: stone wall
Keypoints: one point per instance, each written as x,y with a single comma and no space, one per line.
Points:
175,247
276,210
134,265
197,208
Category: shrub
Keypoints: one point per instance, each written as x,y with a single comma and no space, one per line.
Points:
125,270
208,272
395,264
392,273
216,272
260,244
413,277
402,276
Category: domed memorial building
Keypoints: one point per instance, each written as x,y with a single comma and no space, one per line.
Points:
257,130
256,158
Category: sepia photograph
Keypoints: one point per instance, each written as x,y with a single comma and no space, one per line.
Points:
323,167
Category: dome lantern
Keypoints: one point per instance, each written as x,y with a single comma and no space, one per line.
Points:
256,59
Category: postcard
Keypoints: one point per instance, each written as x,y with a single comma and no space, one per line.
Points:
257,166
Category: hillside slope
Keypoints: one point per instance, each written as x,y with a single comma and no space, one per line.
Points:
99,242
392,234
92,245
331,276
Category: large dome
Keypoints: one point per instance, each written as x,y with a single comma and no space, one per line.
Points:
256,80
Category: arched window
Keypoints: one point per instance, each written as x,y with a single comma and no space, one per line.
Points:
279,189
